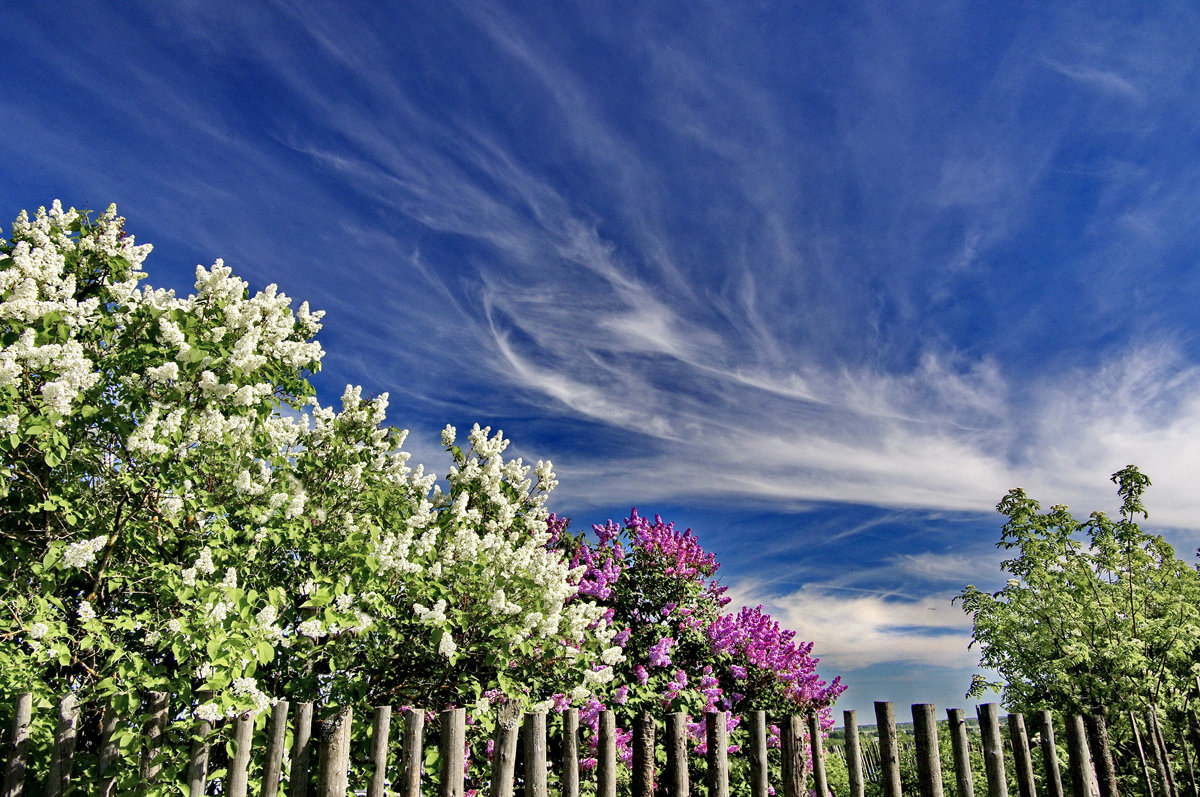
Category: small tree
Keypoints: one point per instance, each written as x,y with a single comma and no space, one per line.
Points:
1097,613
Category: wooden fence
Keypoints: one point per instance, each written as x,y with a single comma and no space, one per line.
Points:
320,754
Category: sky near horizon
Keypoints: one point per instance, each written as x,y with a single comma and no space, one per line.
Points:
820,281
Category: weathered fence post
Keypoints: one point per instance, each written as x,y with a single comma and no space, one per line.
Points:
333,753
569,777
197,774
276,739
504,750
239,768
820,782
301,772
854,764
757,753
1079,759
889,752
156,726
791,742
718,754
18,746
535,755
1106,772
929,760
381,726
412,753
606,756
1022,760
960,745
108,752
62,757
451,782
1054,786
993,750
642,784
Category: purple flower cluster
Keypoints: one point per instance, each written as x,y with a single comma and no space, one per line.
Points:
660,653
752,636
681,552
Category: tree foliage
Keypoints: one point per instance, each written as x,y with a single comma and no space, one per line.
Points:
1097,612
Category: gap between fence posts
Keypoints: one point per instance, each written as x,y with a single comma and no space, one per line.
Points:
993,750
854,764
960,746
929,760
889,752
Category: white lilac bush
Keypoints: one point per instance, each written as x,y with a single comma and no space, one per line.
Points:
179,513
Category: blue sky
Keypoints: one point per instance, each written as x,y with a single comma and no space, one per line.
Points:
821,281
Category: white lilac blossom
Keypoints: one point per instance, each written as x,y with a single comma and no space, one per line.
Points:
83,553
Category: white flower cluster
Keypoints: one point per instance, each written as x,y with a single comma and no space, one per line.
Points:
83,553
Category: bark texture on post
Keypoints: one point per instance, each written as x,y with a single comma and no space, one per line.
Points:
412,753
156,726
757,753
820,782
381,727
1054,786
718,754
643,755
197,775
1106,771
504,750
333,750
535,755
1079,758
570,774
993,750
606,756
854,763
239,768
62,757
929,761
791,741
18,746
108,752
276,740
889,752
961,747
301,772
570,753
1022,760
453,746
